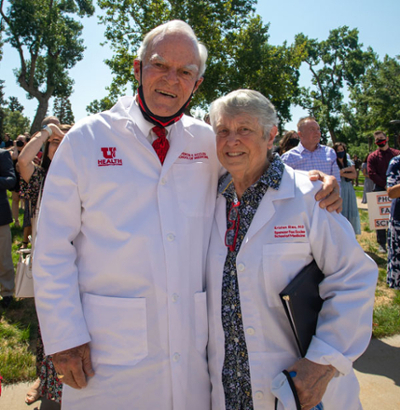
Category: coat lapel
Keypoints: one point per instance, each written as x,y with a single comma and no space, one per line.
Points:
220,216
179,139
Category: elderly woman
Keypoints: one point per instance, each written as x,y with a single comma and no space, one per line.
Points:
268,226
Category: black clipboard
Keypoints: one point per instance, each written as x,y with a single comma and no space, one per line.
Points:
303,303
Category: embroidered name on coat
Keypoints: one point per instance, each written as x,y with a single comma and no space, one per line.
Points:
289,231
192,157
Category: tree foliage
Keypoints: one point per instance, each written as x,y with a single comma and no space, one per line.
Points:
63,111
15,105
15,123
48,41
236,39
375,101
336,64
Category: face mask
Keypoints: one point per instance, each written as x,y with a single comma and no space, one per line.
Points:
341,154
380,143
294,142
157,119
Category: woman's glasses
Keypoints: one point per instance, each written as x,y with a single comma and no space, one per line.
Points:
232,232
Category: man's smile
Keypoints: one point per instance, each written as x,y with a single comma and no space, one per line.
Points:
166,93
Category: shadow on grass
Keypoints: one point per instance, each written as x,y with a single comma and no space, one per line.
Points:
22,314
379,260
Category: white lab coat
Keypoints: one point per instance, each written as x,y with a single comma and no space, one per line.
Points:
289,229
133,282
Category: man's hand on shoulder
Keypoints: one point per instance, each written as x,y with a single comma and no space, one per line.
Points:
73,366
329,195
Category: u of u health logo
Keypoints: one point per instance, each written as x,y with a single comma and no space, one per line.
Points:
109,159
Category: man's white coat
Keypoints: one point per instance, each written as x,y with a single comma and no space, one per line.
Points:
133,281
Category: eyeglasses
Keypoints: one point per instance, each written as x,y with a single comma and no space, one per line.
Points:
232,233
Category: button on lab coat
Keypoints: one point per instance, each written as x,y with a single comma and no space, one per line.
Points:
133,282
288,231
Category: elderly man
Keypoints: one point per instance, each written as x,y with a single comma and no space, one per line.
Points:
267,228
122,239
310,154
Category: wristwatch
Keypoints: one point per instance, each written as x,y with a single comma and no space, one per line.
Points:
48,129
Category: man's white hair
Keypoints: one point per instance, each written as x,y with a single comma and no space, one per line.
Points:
174,26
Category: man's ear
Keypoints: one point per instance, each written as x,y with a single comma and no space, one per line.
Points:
136,69
272,135
198,82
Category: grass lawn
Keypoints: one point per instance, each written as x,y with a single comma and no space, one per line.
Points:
18,325
18,330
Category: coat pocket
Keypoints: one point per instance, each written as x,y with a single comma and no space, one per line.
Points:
193,186
281,263
118,329
201,325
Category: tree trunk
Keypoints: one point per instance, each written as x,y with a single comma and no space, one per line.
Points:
333,136
40,115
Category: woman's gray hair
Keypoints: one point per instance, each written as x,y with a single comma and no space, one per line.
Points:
246,102
174,26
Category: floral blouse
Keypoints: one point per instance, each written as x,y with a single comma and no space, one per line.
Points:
30,190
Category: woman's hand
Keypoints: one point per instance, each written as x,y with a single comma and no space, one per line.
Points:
311,381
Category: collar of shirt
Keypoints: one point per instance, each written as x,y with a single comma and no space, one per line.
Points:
144,125
272,177
300,148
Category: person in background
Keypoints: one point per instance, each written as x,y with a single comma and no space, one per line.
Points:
7,181
32,181
347,175
309,153
368,183
51,120
8,143
393,189
15,151
377,165
290,140
267,227
357,166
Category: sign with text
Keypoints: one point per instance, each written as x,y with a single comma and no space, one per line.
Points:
378,209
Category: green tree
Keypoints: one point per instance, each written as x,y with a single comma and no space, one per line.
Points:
15,105
63,111
48,41
336,64
236,39
255,64
15,123
127,22
375,101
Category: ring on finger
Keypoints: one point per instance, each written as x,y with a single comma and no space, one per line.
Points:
60,376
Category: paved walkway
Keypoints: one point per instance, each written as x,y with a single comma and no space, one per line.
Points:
361,205
378,371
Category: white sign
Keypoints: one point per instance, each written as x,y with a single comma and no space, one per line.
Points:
379,205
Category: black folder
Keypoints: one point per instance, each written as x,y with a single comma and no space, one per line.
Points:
303,303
